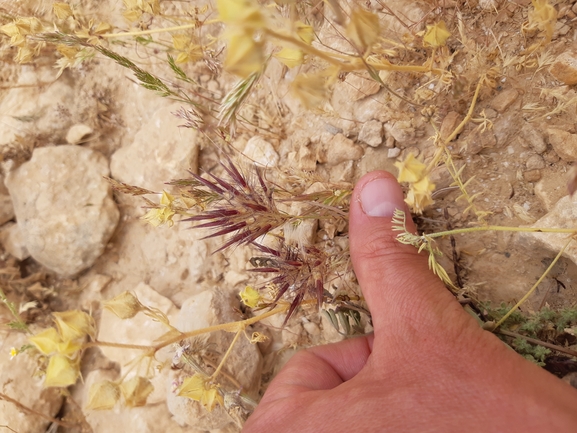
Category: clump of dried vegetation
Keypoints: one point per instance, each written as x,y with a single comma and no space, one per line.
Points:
252,206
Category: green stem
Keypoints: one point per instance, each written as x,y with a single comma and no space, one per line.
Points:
524,298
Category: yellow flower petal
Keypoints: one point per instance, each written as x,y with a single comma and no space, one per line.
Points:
68,348
197,388
103,395
436,35
136,391
363,28
180,41
244,55
62,10
241,12
124,306
250,297
61,371
305,32
74,325
410,170
46,341
291,57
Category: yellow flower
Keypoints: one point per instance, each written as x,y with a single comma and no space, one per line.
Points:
46,341
74,325
61,371
124,306
240,12
363,29
198,388
305,32
162,214
188,51
244,55
250,297
410,170
136,391
420,195
103,395
135,8
290,57
13,352
62,10
436,35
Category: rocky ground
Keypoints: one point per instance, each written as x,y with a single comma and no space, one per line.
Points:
67,242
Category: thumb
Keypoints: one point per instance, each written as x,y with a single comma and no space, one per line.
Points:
396,282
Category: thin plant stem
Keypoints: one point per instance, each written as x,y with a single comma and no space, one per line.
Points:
530,292
228,352
538,342
354,64
148,32
502,229
230,327
97,343
457,130
233,326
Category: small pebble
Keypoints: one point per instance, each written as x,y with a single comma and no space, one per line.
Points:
393,153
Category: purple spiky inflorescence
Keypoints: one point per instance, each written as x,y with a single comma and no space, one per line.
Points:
241,206
298,273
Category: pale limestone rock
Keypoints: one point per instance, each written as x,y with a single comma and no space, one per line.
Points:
476,141
141,330
535,162
564,68
77,133
170,259
304,233
564,143
64,207
361,85
340,149
402,131
6,208
31,111
18,382
261,151
506,127
550,188
504,99
244,363
376,159
532,175
393,153
534,137
12,239
563,215
161,151
372,133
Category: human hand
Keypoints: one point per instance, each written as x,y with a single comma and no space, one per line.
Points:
427,367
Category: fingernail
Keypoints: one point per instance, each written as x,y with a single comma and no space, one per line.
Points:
380,197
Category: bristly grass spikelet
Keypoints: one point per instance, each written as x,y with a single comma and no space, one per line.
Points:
241,205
